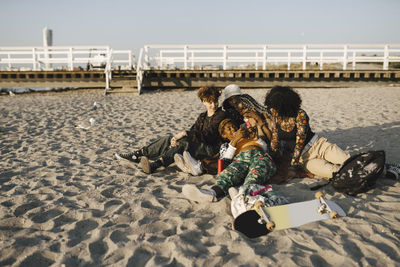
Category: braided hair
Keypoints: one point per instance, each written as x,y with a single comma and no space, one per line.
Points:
252,104
248,102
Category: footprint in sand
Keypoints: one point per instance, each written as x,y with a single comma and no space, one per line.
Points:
42,217
108,193
79,233
118,236
97,250
27,207
36,259
112,204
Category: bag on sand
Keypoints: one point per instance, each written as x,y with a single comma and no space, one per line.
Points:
359,173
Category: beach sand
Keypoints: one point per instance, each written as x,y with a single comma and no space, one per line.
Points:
64,199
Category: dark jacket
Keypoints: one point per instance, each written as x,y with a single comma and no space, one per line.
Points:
205,129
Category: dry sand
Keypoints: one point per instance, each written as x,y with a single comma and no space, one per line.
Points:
64,200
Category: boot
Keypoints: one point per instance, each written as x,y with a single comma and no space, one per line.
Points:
149,167
132,156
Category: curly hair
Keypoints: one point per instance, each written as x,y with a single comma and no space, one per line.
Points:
208,94
284,100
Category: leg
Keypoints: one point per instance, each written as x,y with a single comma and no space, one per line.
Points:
333,153
158,147
261,168
323,149
201,151
168,155
162,152
323,158
235,173
321,168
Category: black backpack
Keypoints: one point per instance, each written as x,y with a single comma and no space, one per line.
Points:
359,173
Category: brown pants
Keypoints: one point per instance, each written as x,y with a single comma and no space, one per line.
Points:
323,158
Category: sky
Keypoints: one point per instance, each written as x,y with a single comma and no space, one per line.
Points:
130,25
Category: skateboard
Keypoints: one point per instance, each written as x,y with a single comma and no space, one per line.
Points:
262,220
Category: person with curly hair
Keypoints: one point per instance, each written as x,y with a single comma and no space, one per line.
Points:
290,125
202,139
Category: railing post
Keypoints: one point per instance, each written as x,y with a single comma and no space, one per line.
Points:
345,57
304,57
70,60
321,61
110,60
354,60
9,61
130,59
146,56
192,60
225,57
107,70
160,63
289,60
264,57
139,71
34,60
386,58
256,63
185,57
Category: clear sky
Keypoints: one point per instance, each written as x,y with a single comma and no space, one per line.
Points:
124,24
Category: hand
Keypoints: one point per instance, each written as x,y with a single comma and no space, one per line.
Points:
174,142
254,118
239,134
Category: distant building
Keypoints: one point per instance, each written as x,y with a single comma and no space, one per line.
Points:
47,37
47,41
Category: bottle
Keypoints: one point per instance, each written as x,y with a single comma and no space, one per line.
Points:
220,165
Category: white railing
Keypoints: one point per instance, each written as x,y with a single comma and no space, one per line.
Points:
66,58
265,56
63,57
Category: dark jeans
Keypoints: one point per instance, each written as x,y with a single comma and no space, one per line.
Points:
161,148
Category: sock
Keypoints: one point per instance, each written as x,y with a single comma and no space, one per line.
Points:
218,191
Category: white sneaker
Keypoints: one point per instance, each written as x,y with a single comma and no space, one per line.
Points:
180,163
190,191
192,164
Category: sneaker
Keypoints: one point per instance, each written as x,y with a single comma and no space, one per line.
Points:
191,192
192,164
180,163
128,156
392,171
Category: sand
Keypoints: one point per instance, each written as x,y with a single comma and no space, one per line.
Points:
64,199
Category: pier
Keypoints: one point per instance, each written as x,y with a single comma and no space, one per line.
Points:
193,66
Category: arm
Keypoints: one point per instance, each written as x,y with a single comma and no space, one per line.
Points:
174,140
273,126
229,153
302,123
256,120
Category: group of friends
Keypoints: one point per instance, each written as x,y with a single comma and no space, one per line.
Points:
258,144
